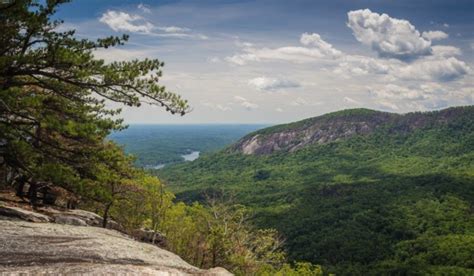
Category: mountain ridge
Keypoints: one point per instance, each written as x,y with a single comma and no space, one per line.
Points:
335,126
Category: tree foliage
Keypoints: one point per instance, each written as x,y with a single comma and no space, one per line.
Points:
53,119
53,129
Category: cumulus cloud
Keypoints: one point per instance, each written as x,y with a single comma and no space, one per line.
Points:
361,65
121,21
389,37
272,84
245,103
435,35
144,8
446,51
426,96
443,70
316,49
396,92
315,40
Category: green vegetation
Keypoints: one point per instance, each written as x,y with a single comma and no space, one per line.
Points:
53,142
161,144
397,201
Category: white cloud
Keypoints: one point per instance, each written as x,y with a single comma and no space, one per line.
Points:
245,103
144,8
249,105
117,54
271,84
317,49
351,101
361,65
435,35
243,44
299,101
387,105
444,69
446,25
215,106
396,92
446,51
213,60
121,21
173,29
389,37
240,99
315,40
426,96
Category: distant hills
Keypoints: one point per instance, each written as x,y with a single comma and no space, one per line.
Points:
357,191
157,145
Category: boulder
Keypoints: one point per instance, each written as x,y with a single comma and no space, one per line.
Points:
90,218
70,220
15,212
146,235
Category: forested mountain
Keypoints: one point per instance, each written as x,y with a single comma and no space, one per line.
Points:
357,191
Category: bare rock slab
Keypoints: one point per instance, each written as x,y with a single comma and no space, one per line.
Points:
50,248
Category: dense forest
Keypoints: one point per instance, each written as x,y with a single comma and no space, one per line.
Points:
395,200
54,146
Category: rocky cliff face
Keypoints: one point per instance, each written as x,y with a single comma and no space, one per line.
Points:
336,126
31,245
318,130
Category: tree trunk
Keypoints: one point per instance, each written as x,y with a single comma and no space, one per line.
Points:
33,193
154,233
20,187
106,215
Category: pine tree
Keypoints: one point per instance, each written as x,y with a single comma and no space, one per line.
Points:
53,94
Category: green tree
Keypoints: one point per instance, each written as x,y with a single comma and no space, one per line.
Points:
53,119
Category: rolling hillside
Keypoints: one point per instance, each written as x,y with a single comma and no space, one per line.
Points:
357,191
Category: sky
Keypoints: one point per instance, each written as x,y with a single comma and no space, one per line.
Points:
281,61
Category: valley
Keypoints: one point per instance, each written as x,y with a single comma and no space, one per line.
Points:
356,190
155,146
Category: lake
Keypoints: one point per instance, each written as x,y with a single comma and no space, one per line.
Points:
191,156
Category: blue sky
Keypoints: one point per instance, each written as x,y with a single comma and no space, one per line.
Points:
281,61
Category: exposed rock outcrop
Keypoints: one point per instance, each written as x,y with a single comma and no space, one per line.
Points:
337,126
21,214
318,130
53,248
